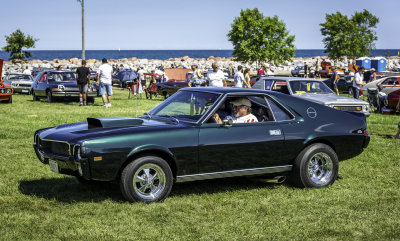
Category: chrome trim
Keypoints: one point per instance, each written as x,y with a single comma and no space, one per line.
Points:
233,173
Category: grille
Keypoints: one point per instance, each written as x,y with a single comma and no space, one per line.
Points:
55,148
349,108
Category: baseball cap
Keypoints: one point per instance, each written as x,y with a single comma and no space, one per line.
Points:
241,101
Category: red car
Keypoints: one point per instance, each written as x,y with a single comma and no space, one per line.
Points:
393,99
6,90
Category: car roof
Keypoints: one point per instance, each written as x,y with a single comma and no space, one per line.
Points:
288,78
231,90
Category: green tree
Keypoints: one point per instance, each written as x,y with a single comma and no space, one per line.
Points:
352,37
259,38
15,42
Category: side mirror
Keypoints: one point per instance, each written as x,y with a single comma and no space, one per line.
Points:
228,122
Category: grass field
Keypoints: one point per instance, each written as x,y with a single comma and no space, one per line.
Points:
36,204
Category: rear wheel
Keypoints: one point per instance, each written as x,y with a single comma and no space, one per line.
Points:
316,166
49,97
146,179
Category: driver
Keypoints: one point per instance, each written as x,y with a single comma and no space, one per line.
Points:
242,111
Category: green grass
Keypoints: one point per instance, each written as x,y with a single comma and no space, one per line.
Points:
36,204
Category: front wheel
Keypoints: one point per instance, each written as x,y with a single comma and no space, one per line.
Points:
146,179
34,97
316,166
49,97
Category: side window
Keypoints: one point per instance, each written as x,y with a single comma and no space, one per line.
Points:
278,111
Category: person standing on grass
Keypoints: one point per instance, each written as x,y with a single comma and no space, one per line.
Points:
83,76
216,77
104,80
239,78
247,78
358,82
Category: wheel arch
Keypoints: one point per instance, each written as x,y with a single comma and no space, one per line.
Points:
319,140
154,150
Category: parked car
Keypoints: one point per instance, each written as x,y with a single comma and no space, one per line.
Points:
387,85
393,100
298,71
327,70
21,83
6,90
58,84
179,141
313,90
344,85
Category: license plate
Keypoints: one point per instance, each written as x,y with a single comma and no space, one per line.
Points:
53,166
24,91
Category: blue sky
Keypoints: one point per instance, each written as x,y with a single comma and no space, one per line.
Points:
178,24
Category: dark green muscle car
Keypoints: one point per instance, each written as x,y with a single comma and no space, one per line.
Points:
180,140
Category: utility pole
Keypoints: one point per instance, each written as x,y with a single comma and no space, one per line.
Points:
83,27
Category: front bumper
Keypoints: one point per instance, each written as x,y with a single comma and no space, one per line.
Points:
22,89
72,94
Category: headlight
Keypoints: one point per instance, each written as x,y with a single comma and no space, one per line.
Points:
9,91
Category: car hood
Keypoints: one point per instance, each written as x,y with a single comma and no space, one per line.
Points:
331,99
103,127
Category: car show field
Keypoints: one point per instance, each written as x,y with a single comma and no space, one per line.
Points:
37,204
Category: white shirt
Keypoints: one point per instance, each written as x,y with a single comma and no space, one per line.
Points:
27,71
216,78
250,118
358,79
105,72
141,74
238,77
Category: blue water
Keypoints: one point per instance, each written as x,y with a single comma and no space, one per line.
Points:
166,54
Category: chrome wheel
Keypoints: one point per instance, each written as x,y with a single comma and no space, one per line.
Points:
149,181
320,168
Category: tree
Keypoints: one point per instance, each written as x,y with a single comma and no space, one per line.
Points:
352,37
259,38
15,42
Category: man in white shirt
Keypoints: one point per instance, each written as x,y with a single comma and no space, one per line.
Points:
242,111
27,71
216,77
358,82
142,78
104,79
239,77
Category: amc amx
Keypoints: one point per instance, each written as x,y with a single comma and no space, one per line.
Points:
179,141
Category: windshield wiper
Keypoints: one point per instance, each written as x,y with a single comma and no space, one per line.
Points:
170,116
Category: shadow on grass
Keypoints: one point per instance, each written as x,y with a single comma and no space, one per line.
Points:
69,190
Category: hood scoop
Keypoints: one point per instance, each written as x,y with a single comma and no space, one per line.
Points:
108,122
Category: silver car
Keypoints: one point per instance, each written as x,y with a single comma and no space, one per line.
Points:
21,83
298,71
313,90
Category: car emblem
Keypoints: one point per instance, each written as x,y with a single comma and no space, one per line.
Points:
311,112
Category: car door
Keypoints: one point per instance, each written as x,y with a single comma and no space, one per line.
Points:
390,85
240,146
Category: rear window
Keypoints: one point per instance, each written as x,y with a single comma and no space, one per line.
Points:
279,112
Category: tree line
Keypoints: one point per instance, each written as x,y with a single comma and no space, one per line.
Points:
259,38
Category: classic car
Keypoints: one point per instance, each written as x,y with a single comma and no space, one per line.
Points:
393,99
344,85
21,83
313,90
6,90
386,84
58,84
298,71
327,69
180,141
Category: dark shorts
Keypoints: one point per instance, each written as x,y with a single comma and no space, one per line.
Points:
143,82
83,88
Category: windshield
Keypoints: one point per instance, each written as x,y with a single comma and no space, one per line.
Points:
309,86
61,76
25,77
185,105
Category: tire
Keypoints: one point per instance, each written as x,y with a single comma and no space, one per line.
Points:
90,100
34,97
9,100
49,97
316,166
146,179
